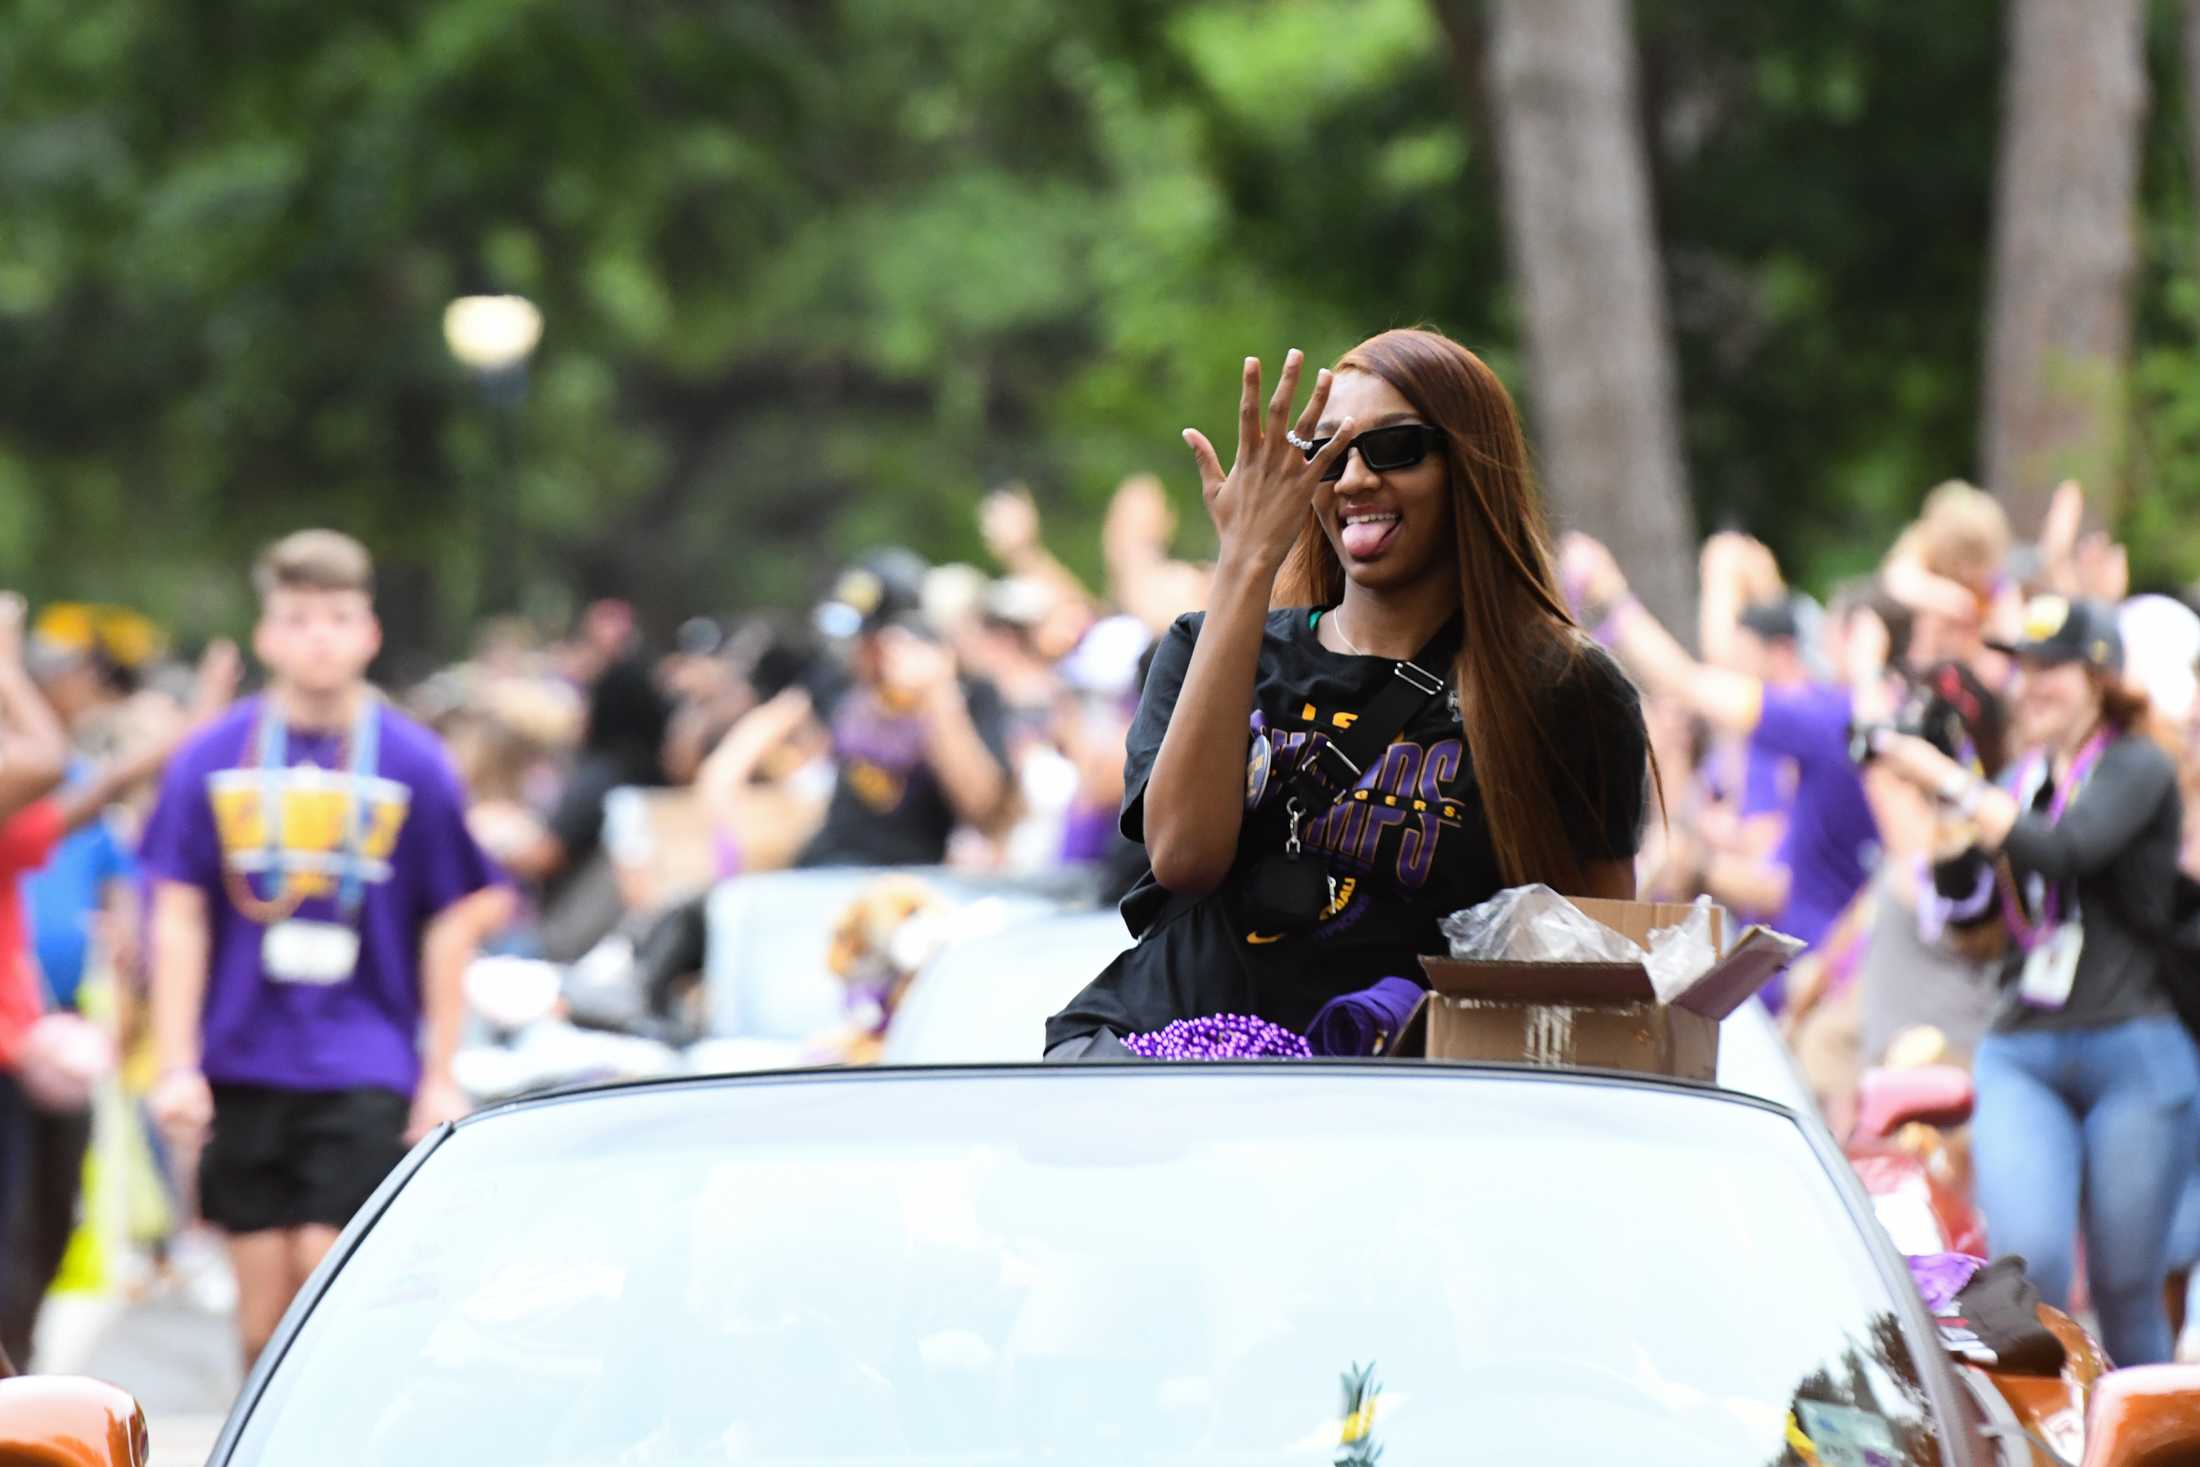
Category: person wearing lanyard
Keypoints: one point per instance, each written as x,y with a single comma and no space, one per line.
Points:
2088,1083
316,897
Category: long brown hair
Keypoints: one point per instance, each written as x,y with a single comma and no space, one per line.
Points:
1513,616
2126,708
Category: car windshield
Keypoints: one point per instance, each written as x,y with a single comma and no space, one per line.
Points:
1125,1266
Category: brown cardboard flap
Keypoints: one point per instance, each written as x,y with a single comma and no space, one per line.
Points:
1541,982
1760,954
1412,1040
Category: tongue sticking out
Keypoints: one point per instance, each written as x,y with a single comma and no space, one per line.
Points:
1365,540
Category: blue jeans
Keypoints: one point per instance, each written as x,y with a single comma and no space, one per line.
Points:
2091,1128
2184,1247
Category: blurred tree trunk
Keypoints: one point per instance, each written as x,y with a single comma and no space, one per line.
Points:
2189,76
2058,328
1584,251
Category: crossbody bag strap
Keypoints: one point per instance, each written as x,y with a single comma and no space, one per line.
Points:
1334,766
1333,769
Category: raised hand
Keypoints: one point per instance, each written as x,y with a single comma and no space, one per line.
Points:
13,614
2059,537
1760,571
1866,650
1261,504
2103,568
1588,571
1743,562
1008,519
913,666
221,669
1139,523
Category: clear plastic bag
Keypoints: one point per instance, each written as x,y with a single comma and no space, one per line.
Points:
1682,953
1534,924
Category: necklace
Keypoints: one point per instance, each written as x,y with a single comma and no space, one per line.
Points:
1336,619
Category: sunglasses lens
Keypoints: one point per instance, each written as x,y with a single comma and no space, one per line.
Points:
1393,448
1381,449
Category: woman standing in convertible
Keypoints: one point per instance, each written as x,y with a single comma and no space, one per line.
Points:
1416,727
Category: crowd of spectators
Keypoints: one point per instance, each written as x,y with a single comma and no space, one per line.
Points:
973,717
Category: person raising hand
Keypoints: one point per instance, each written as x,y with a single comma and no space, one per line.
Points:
1830,836
1384,714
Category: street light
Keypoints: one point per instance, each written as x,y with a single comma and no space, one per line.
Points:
493,336
492,333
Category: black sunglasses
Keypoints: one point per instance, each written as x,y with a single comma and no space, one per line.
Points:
1400,446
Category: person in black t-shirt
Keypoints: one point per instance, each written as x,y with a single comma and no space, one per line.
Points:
918,749
622,744
1396,520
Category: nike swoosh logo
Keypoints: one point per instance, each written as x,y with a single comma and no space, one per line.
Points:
1257,940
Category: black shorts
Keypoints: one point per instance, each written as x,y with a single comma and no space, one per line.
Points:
290,1158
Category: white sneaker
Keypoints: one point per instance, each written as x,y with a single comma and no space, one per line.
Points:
201,1266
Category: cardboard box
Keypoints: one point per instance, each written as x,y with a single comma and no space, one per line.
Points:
1597,1015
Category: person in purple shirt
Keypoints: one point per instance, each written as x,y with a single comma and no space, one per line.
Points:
316,897
1831,840
1749,787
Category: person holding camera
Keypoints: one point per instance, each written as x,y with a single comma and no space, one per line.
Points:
918,748
2088,1083
1418,726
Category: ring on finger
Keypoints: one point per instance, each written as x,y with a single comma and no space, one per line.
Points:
1303,445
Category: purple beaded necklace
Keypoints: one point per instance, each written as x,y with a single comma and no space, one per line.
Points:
1220,1037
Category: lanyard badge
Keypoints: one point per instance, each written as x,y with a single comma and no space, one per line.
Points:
2052,945
294,950
2051,969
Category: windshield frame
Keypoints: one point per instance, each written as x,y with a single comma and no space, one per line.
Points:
1941,1386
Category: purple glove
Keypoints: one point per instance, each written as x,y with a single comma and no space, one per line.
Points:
1353,1023
1941,1276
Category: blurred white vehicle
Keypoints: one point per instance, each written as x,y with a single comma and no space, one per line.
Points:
987,1000
764,971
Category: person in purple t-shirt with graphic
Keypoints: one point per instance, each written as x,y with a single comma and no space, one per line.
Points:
1831,839
316,897
1745,624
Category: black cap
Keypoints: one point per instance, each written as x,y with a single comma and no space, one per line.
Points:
700,636
2058,630
1772,620
883,587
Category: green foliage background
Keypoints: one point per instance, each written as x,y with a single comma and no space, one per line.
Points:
816,272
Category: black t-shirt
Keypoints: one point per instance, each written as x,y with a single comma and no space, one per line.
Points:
577,818
1409,846
888,806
